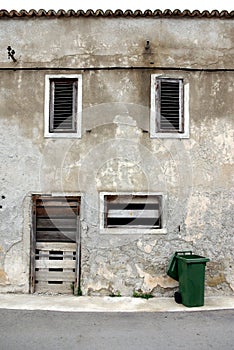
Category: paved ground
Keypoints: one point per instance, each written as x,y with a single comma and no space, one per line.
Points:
106,304
49,330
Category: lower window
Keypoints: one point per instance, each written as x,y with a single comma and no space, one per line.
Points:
125,213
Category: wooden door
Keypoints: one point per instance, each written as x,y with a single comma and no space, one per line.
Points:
55,245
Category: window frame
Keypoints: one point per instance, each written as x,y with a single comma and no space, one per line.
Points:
77,116
129,229
155,115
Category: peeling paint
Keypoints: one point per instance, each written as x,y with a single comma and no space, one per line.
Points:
104,272
147,248
216,280
3,278
151,282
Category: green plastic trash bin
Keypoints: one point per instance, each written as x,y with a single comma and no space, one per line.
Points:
189,269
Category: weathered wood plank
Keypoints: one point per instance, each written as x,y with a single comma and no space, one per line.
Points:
49,256
57,202
44,287
57,211
48,264
45,275
41,255
56,246
133,213
144,199
55,236
57,223
32,248
69,255
133,206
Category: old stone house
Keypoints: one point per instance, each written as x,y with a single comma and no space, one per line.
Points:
116,149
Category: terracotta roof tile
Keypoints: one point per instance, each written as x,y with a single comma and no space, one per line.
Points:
117,13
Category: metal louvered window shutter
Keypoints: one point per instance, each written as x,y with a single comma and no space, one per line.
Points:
169,102
63,105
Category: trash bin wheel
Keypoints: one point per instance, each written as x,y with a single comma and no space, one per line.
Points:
178,297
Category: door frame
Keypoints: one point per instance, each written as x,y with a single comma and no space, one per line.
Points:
34,198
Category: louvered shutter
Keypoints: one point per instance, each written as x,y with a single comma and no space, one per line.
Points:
169,102
133,211
63,105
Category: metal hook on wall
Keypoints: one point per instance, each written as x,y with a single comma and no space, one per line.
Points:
11,53
147,45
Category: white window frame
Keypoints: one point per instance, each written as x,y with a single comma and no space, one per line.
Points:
130,230
154,116
77,133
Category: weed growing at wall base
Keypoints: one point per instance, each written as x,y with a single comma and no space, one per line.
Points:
115,294
142,295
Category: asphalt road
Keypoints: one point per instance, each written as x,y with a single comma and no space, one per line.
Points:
39,330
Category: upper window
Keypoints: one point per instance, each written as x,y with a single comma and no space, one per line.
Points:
63,104
169,108
132,213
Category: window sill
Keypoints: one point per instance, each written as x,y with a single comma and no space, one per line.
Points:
162,135
61,135
133,231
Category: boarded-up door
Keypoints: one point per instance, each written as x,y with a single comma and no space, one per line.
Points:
55,244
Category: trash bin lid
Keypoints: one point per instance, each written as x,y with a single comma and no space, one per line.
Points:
172,269
192,258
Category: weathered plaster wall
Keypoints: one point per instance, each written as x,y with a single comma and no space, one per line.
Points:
92,42
115,152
